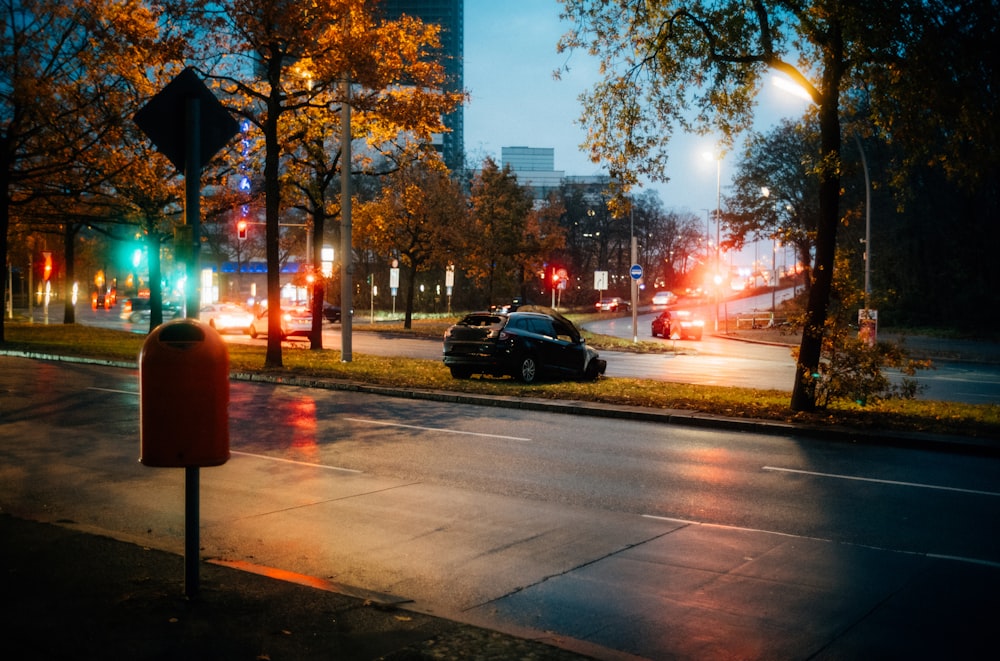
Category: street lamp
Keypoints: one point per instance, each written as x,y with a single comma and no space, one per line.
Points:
717,157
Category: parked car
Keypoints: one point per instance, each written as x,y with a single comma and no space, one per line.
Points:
612,304
525,344
294,322
664,297
679,324
226,317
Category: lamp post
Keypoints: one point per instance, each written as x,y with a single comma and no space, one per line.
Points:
634,283
717,157
868,224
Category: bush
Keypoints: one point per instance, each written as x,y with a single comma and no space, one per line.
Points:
853,370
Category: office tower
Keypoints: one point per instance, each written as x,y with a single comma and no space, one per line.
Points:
449,14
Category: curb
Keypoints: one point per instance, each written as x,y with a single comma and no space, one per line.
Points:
915,440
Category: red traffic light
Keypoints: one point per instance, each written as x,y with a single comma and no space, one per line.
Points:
241,229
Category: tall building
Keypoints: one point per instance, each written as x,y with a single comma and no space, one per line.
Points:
535,167
450,15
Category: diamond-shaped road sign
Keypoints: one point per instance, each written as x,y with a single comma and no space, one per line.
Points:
163,119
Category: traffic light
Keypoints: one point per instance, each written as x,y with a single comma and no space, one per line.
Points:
241,229
47,269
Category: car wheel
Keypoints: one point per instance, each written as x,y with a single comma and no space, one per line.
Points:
135,317
527,369
460,372
591,373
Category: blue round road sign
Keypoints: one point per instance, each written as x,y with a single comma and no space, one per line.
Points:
635,272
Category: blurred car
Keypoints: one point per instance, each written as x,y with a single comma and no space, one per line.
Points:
525,344
664,297
294,322
679,324
612,304
226,317
137,310
515,303
332,313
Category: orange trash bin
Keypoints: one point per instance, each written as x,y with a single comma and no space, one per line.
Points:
184,396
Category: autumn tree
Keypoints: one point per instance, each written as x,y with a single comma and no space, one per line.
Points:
693,64
500,208
666,239
775,190
418,216
65,68
281,58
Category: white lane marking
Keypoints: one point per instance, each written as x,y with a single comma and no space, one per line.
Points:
123,392
872,479
292,461
722,526
438,429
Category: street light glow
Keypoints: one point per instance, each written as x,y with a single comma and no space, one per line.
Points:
792,88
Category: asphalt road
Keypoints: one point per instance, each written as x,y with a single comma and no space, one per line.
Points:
714,360
640,539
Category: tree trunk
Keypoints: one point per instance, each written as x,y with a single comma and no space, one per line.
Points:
411,287
810,350
69,254
272,208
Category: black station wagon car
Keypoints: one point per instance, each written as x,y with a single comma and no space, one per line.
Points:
525,344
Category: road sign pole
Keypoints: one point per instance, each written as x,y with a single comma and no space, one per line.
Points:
192,292
206,127
192,203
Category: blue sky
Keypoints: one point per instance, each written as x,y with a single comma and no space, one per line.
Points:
510,54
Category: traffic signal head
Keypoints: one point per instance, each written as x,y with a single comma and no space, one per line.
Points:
241,229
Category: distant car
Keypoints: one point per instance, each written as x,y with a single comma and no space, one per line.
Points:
612,304
664,297
226,317
332,313
525,344
137,310
294,322
504,308
682,324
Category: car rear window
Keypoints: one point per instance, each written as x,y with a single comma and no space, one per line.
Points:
482,320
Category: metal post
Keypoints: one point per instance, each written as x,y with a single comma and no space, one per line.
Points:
192,218
192,538
718,237
774,273
347,259
635,283
868,225
192,204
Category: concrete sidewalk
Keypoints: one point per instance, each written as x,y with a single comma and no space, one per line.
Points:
74,595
